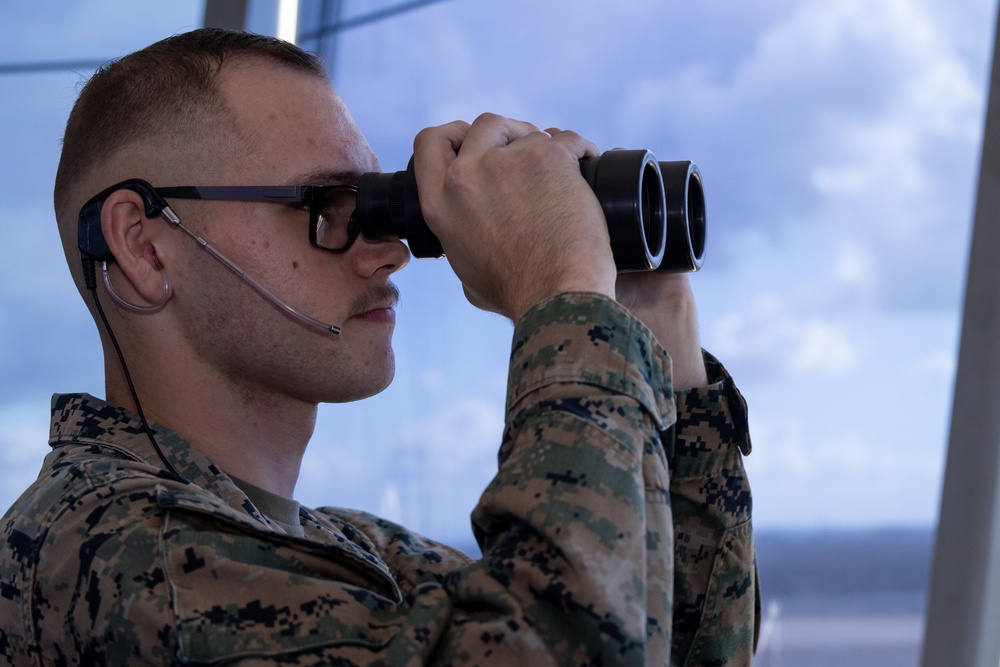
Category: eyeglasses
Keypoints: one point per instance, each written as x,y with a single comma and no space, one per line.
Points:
331,207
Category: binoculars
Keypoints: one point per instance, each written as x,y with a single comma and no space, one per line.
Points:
655,210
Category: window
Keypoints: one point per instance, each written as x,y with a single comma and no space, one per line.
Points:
839,151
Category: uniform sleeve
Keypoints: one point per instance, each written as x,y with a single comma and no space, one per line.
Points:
717,605
574,529
576,524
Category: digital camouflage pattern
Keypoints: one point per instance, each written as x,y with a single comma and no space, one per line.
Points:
610,535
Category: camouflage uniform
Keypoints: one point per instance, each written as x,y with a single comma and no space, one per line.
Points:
594,550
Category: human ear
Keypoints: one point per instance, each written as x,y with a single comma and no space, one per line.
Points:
130,236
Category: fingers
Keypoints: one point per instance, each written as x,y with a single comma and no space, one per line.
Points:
516,218
589,149
490,131
435,148
438,146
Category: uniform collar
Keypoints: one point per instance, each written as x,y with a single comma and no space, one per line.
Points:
82,419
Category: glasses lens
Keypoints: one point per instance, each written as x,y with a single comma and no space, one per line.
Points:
334,230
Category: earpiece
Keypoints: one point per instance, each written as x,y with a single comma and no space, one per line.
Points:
90,238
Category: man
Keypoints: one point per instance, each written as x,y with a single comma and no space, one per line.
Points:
163,529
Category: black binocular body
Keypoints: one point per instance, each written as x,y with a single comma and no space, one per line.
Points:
655,211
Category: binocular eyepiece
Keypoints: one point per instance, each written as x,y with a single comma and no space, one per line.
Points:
655,211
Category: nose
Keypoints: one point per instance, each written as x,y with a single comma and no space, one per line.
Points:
369,256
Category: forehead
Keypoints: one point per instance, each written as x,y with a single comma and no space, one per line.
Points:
294,123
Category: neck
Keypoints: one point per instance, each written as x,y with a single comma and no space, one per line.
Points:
256,436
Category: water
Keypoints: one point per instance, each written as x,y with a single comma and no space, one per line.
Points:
843,597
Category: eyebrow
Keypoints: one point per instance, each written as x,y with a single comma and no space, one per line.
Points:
326,177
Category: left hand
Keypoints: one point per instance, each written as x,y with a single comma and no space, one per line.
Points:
664,302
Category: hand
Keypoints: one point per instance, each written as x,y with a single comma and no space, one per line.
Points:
514,215
665,303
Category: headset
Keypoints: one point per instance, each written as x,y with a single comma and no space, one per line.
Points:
94,248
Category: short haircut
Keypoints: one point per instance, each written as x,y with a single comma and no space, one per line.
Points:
166,92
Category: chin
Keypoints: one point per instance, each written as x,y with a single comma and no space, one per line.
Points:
368,382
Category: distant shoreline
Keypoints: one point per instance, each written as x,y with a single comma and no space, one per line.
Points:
892,564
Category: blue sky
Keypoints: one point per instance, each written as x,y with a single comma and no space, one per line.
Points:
839,142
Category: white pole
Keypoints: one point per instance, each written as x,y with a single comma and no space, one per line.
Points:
288,20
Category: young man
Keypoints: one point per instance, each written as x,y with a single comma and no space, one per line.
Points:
163,529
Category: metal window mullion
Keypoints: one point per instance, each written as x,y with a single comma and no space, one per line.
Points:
963,611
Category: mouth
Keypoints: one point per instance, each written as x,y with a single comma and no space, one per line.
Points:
374,310
378,305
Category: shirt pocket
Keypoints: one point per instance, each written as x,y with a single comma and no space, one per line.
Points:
239,593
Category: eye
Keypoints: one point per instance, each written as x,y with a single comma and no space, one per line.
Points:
338,204
333,225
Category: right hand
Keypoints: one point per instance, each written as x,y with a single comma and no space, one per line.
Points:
514,215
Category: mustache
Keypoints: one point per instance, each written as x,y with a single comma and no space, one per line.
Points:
376,297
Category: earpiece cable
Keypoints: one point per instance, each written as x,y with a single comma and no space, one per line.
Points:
90,279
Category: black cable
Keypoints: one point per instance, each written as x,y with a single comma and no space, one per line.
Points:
90,279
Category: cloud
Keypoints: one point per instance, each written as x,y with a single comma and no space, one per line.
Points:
48,340
857,116
935,366
854,268
23,443
427,470
811,477
838,142
860,117
775,339
460,432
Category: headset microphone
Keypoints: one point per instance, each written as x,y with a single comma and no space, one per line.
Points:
94,248
302,318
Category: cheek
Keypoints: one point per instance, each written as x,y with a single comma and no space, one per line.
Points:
275,256
258,245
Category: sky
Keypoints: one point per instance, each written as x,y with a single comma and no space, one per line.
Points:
839,145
